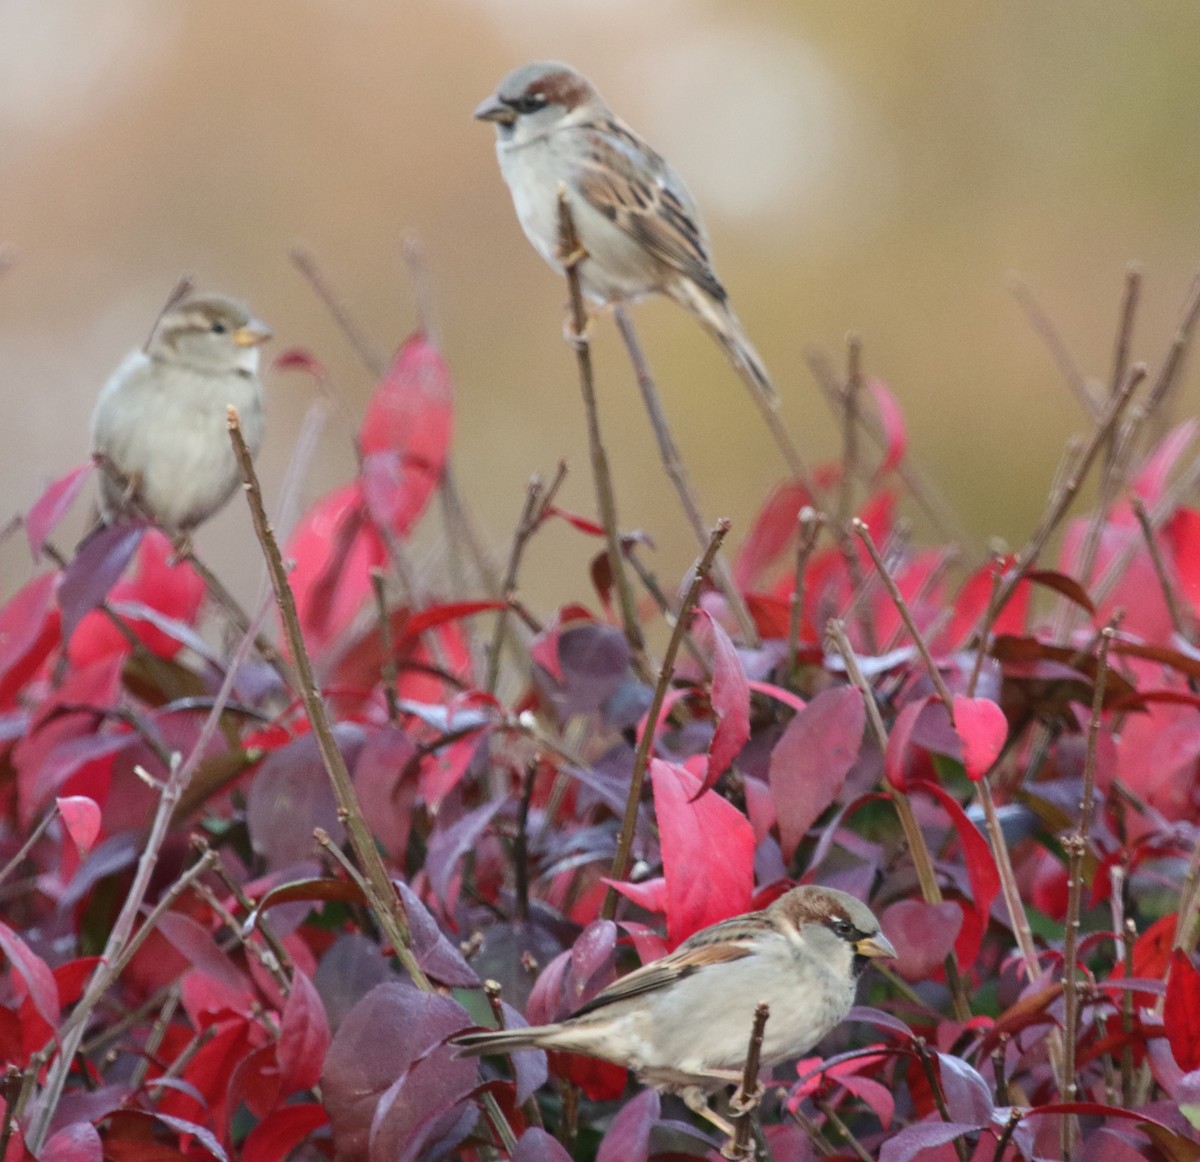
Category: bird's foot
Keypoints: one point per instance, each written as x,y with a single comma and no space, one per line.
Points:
576,339
742,1103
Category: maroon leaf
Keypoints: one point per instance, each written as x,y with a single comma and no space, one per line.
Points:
730,698
54,503
1181,1012
29,629
707,852
405,436
33,970
538,1146
981,725
923,935
303,1037
426,1105
896,761
968,1098
810,761
78,1142
628,1138
392,1028
196,943
281,1131
892,420
1068,587
97,567
448,845
434,952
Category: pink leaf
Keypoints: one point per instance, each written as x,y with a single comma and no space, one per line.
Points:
303,1037
981,725
405,436
300,359
29,628
1183,536
896,761
49,508
730,698
810,761
538,1146
707,852
1151,478
773,530
78,1142
81,817
628,1138
892,419
923,935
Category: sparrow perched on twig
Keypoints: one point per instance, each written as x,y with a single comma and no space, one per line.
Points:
160,422
635,220
682,1024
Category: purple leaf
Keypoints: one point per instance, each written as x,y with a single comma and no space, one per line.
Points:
593,661
448,846
394,1026
590,953
923,934
538,1146
628,1138
529,1066
54,503
811,759
349,970
968,1096
912,1140
434,952
97,567
34,971
78,1142
425,1104
197,945
291,795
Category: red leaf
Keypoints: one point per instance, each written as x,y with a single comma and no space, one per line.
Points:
436,615
578,522
29,629
33,970
1151,478
303,1037
334,549
1181,1012
78,1142
49,508
892,419
405,435
773,530
981,725
300,359
707,852
281,1131
730,698
81,817
972,602
810,761
896,760
981,871
1183,535
923,935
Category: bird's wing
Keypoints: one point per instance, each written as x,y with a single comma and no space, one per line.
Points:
633,187
720,944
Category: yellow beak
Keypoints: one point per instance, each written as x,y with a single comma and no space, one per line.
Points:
252,334
875,946
493,109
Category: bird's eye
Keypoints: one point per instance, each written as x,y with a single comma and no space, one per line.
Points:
841,925
218,328
528,102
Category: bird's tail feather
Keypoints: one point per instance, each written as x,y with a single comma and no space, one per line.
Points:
718,319
497,1041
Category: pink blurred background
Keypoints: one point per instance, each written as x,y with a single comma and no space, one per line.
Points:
869,167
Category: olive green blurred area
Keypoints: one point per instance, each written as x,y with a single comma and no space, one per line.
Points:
879,168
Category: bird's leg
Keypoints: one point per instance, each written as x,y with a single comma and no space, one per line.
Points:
181,549
696,1100
742,1102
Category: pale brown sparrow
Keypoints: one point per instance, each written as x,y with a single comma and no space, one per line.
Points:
633,215
682,1024
160,421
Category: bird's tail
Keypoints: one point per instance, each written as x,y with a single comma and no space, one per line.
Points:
498,1041
717,318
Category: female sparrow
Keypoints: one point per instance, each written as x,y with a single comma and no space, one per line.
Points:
682,1024
635,219
160,422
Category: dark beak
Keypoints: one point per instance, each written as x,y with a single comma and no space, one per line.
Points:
493,109
875,946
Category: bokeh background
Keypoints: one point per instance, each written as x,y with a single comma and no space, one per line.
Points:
878,167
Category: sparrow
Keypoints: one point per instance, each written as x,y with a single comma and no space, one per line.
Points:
160,421
635,220
682,1024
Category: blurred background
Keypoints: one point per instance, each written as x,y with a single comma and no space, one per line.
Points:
887,169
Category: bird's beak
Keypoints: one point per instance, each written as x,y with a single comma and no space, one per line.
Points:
252,334
875,946
493,109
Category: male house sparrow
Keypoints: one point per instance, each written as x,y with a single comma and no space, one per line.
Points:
160,421
682,1024
634,217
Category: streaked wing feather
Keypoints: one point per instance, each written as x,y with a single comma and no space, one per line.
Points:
632,186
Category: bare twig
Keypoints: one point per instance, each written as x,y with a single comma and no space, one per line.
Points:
183,287
811,524
749,1094
1129,303
388,670
1160,569
572,255
306,263
672,462
641,758
849,395
1158,395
